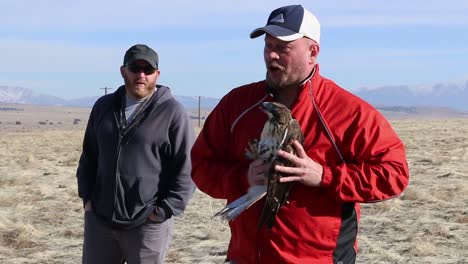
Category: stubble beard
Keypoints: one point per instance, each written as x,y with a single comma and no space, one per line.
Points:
275,86
138,93
272,86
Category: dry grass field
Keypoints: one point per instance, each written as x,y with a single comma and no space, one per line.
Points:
41,216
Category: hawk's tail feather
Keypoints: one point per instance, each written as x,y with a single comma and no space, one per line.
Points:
273,204
234,209
268,216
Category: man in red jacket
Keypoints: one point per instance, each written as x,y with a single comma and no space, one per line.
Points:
350,153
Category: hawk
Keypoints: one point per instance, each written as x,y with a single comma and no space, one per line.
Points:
278,133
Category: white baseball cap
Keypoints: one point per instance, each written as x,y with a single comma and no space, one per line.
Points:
289,23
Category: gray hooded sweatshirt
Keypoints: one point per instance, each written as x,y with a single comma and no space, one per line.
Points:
129,170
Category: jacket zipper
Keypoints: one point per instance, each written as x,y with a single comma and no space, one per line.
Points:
116,174
133,123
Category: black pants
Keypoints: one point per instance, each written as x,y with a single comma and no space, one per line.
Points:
142,245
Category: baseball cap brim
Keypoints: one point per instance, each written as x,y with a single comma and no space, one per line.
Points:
278,32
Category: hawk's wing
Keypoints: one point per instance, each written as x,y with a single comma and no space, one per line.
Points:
277,192
278,132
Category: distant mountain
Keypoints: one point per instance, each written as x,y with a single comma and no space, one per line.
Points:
451,95
397,112
19,95
192,101
442,97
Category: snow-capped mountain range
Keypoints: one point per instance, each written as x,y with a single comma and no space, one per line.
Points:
446,95
451,95
20,95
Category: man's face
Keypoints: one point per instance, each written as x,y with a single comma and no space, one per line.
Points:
140,79
287,63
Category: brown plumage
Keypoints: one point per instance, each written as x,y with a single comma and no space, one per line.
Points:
278,133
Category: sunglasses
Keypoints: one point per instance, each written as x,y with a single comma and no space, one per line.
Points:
148,69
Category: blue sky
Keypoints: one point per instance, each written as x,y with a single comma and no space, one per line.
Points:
71,49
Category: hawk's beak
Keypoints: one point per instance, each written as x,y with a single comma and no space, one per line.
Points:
266,107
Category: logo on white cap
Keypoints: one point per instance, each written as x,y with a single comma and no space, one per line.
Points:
277,19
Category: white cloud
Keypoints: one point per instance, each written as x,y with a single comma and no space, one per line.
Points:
106,14
57,56
65,56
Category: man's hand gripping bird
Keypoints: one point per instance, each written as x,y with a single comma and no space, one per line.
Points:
279,131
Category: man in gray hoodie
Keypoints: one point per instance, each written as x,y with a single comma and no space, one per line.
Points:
134,171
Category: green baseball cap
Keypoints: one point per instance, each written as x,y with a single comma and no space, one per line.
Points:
141,52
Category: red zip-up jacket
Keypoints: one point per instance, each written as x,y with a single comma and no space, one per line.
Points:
319,224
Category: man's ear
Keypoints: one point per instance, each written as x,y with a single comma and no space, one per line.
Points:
122,71
313,53
158,73
314,50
